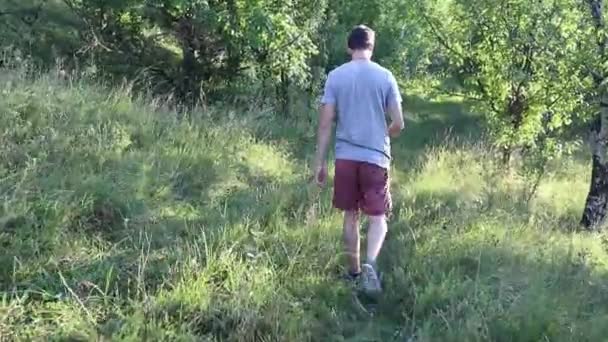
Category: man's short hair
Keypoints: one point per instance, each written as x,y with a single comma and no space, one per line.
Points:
361,38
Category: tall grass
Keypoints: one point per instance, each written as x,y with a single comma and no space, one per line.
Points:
120,222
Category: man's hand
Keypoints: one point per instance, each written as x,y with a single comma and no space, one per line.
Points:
397,121
321,174
394,130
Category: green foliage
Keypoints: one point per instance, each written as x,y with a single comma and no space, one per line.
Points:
389,19
521,60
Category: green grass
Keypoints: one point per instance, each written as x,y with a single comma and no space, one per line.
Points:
120,223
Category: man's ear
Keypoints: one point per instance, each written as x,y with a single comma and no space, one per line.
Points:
349,51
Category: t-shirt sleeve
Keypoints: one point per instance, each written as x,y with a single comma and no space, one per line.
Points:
393,95
329,93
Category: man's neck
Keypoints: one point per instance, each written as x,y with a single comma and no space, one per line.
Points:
361,55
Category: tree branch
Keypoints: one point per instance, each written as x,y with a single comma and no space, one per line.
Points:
440,37
482,88
486,95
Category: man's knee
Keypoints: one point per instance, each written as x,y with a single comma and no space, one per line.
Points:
377,218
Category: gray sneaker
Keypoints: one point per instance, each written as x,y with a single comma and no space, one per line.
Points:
369,280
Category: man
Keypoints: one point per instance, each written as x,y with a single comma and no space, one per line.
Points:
358,95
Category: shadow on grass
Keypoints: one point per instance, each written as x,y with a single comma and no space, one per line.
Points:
433,123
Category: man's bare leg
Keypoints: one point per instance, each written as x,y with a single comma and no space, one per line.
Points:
351,241
375,238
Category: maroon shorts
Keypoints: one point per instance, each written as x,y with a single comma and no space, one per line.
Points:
361,186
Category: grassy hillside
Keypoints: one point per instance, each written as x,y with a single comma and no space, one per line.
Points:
120,223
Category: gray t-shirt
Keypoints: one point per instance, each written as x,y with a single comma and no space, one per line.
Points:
362,91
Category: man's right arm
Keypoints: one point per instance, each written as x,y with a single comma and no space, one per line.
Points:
394,109
327,116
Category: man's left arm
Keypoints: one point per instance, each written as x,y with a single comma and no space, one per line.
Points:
395,109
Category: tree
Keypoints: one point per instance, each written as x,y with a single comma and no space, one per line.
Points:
594,62
222,39
513,58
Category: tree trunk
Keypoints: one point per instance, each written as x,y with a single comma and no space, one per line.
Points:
594,214
190,88
234,51
190,91
282,91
